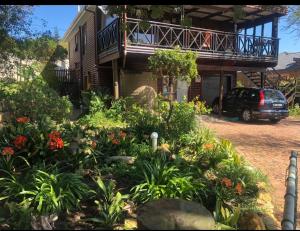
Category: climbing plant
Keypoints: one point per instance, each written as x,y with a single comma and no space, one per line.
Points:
174,65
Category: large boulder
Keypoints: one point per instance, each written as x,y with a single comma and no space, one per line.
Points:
144,96
174,214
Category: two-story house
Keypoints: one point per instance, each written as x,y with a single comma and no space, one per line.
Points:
103,54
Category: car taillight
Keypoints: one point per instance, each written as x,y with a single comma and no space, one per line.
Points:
261,98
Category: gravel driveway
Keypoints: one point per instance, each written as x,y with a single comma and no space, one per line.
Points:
264,145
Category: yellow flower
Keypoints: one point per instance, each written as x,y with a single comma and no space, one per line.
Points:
165,147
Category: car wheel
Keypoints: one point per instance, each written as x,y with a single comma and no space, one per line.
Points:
246,115
274,121
216,108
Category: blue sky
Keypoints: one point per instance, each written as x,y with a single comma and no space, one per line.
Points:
61,16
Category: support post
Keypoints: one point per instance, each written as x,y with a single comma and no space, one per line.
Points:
221,89
116,78
253,40
262,79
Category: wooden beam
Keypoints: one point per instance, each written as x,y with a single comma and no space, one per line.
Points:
219,13
258,21
246,15
204,67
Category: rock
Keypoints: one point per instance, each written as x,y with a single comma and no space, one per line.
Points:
144,96
271,223
251,221
126,159
173,214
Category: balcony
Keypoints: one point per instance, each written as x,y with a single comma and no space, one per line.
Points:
209,44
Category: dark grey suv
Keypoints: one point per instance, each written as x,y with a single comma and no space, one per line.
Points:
254,103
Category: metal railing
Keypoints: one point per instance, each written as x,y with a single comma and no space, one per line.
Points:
289,220
109,36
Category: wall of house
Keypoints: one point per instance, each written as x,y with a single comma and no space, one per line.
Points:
88,59
74,55
130,81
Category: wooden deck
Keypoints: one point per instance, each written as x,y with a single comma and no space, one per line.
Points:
144,38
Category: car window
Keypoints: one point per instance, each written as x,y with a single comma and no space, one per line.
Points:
252,95
241,93
232,93
271,94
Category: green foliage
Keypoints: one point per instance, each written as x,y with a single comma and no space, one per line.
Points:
174,63
34,99
295,110
225,218
55,192
163,180
109,203
17,216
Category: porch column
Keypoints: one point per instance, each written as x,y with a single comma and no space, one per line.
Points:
262,79
116,78
221,90
275,35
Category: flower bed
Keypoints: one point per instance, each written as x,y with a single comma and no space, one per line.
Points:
51,169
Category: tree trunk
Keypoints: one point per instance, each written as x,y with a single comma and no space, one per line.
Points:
171,88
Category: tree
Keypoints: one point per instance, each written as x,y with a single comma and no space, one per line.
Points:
174,65
293,19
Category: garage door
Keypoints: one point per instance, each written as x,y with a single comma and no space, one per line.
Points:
210,88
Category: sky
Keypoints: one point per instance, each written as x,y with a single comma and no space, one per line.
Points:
61,17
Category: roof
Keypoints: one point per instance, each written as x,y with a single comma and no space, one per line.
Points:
286,61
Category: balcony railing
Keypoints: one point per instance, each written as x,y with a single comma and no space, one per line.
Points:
144,37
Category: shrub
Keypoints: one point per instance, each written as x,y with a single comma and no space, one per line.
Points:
109,203
34,99
55,192
164,180
295,110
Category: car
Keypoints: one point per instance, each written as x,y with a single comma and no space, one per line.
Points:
254,103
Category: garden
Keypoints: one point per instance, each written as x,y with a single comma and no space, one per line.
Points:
94,172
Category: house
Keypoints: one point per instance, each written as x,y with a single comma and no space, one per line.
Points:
104,55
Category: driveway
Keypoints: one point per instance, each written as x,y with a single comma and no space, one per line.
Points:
264,145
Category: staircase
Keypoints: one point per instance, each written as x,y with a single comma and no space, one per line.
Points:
291,90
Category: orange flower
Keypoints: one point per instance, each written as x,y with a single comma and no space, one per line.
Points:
115,141
94,144
23,120
227,182
239,188
122,134
111,135
20,141
8,151
208,146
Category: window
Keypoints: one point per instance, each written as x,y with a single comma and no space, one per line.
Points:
76,42
84,38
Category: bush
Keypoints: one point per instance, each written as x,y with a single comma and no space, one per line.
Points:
54,192
164,180
295,110
34,99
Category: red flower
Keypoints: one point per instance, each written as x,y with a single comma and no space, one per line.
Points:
23,120
94,144
8,151
53,135
20,141
122,134
115,141
55,141
227,182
